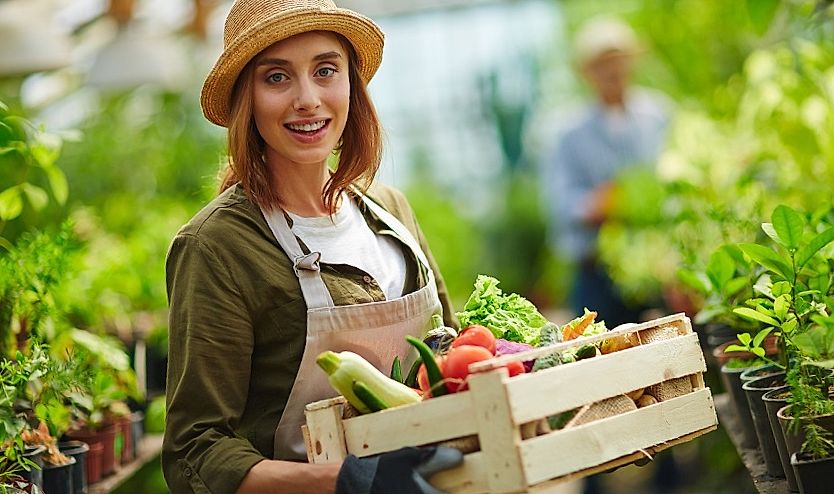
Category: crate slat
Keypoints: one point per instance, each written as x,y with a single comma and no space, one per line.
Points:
679,321
414,425
499,437
565,387
565,451
547,486
325,435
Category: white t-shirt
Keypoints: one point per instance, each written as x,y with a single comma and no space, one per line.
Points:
347,239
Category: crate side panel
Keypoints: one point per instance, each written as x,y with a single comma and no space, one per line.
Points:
437,419
566,451
569,386
468,478
547,486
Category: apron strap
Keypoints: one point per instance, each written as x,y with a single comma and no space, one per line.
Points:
402,232
305,266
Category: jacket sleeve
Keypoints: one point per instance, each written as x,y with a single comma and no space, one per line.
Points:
210,347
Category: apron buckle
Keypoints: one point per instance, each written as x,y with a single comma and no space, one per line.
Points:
309,262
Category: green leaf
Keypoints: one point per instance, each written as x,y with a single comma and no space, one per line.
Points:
58,182
736,254
11,203
38,197
745,339
771,232
781,306
804,254
45,149
768,259
761,13
735,348
720,268
755,316
760,336
766,310
758,351
789,225
693,280
789,325
735,285
815,343
780,288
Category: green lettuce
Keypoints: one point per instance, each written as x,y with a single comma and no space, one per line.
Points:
508,316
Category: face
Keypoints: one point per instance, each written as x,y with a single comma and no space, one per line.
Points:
609,75
301,95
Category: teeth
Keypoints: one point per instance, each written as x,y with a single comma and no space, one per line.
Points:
307,127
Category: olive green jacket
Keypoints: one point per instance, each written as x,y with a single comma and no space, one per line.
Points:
237,328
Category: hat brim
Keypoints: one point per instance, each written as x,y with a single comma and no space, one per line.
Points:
365,36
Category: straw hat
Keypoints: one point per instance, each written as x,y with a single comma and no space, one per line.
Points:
253,25
602,35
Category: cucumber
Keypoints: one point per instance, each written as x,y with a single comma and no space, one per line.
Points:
368,397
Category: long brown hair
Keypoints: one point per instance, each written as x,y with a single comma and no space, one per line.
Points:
359,152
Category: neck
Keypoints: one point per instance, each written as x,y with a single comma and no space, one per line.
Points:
301,187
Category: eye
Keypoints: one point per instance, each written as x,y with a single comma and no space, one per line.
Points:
325,72
276,77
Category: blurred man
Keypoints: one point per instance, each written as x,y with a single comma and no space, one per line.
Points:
622,127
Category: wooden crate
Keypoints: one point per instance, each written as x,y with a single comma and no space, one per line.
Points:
501,412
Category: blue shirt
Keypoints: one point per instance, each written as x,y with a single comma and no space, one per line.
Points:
590,153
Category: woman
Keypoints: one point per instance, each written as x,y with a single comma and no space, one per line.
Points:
291,259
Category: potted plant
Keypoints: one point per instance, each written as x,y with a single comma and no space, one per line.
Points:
15,462
724,283
110,381
808,419
793,298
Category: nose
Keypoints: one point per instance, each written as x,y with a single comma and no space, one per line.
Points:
307,96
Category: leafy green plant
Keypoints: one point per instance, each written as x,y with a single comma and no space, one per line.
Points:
33,271
108,378
35,389
793,300
724,283
28,156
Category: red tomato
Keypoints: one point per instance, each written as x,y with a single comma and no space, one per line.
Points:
477,336
423,377
423,380
456,368
515,368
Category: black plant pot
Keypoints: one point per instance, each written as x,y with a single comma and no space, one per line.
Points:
731,378
35,475
774,400
795,438
77,450
813,476
761,371
57,479
755,389
137,423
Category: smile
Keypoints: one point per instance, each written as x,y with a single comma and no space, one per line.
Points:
307,127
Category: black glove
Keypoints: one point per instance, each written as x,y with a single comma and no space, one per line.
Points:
404,471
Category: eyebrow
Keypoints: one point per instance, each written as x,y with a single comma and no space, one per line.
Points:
280,62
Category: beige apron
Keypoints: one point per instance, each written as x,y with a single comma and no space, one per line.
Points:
376,330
